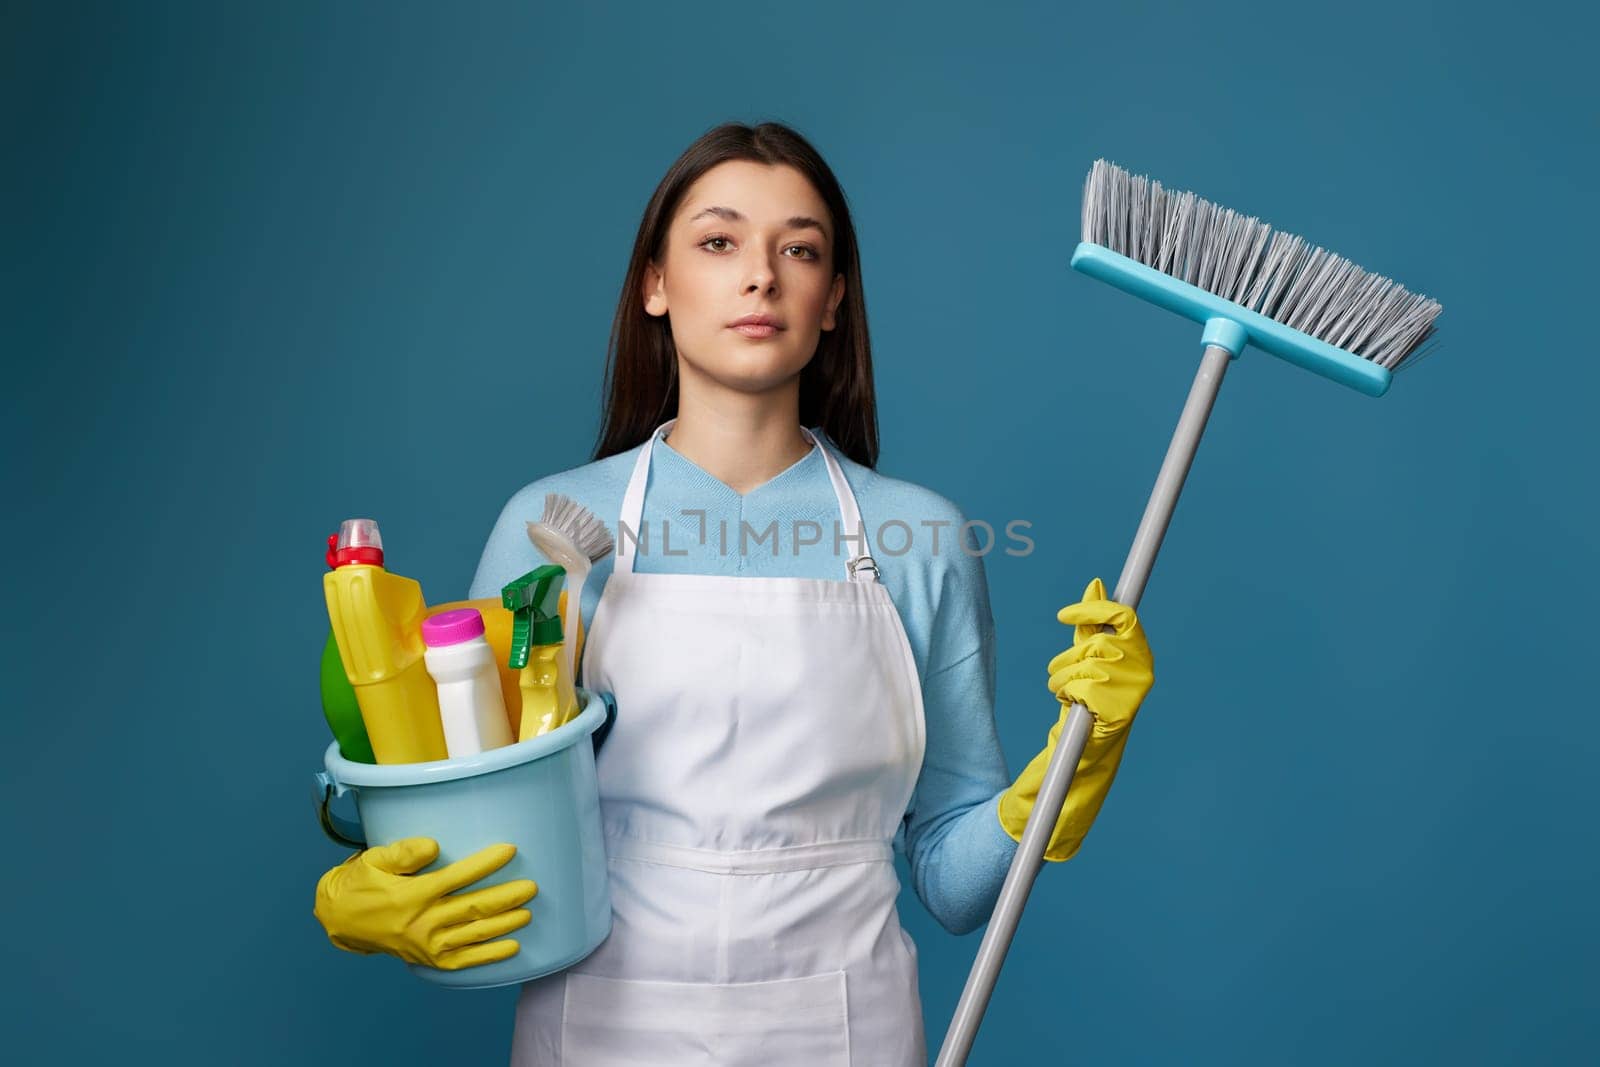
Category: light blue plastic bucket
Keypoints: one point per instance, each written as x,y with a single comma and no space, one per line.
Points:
539,795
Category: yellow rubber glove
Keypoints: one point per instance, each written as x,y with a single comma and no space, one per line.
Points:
375,902
1109,673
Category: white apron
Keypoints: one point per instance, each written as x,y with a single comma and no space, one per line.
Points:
769,733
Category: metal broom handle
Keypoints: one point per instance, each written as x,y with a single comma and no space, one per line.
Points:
1069,746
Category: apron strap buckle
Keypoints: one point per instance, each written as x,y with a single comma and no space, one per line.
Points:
862,563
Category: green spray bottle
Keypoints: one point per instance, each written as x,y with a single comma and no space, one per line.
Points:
548,699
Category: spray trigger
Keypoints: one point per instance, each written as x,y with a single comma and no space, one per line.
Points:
533,602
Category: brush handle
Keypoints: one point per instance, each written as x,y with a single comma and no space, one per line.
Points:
569,626
1029,856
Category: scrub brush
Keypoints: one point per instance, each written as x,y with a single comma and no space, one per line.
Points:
1247,285
571,535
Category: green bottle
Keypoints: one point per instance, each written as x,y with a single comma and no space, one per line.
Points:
340,707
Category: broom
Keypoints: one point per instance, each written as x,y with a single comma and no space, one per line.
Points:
1247,285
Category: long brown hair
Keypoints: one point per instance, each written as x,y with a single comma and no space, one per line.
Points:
641,361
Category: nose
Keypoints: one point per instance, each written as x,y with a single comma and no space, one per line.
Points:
762,276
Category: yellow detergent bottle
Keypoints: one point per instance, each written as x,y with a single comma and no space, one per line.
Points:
377,623
548,698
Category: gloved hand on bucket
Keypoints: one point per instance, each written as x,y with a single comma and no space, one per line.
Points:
1109,673
375,902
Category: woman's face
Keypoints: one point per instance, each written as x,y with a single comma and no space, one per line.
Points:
747,239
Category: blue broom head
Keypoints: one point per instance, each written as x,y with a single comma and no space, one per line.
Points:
1249,283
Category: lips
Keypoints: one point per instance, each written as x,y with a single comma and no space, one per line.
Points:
756,325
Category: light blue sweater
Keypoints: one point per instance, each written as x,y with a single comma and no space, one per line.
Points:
951,836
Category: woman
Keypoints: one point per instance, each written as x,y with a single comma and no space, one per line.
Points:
794,698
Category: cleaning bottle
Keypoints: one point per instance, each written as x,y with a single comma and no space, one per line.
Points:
461,663
497,626
377,623
340,708
548,699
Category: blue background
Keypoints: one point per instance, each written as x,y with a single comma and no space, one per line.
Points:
269,267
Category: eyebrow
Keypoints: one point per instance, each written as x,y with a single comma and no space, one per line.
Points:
794,222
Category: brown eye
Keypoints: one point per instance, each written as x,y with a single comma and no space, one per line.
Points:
709,240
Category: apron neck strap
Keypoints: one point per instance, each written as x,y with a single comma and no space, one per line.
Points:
859,567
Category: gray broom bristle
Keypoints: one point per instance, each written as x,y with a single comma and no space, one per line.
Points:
1244,260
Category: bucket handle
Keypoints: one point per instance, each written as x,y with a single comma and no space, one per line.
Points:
604,728
340,831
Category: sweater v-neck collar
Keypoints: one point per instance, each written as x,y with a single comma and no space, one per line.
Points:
788,473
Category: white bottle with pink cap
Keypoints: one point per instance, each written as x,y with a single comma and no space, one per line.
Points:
462,665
